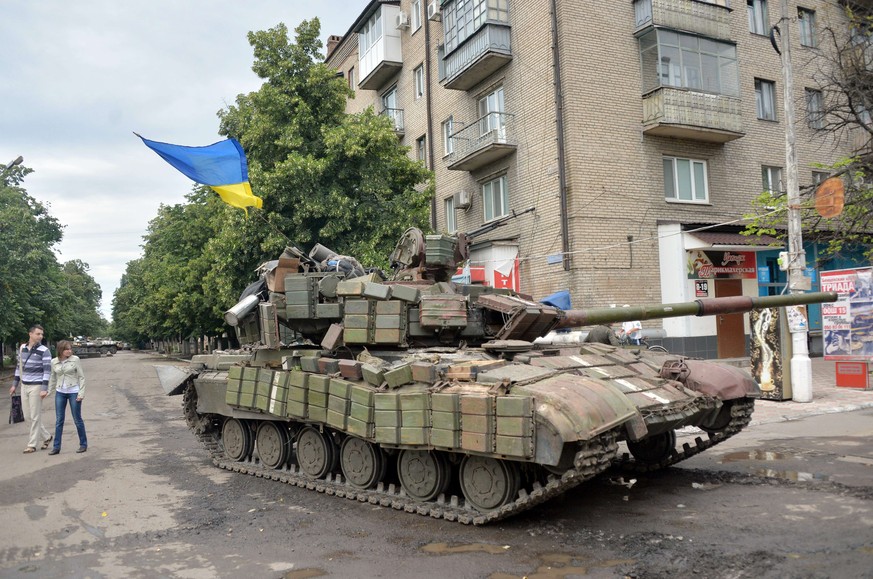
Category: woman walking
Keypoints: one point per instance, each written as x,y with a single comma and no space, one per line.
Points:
69,379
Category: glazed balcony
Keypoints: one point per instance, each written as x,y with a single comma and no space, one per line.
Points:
479,56
487,140
686,114
710,19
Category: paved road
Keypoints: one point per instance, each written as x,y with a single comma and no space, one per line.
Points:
781,499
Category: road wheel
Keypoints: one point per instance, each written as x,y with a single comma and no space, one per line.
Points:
489,483
316,452
237,439
424,475
653,449
274,445
362,462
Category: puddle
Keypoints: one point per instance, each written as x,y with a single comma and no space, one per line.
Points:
764,455
446,549
304,573
792,475
561,566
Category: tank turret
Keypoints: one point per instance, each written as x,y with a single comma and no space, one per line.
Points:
409,391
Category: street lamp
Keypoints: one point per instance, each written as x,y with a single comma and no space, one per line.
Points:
11,164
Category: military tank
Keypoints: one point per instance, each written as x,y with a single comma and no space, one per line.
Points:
415,393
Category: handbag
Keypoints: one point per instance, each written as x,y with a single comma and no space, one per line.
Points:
16,413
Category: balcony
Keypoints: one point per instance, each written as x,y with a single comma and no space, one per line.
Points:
685,114
710,19
487,140
396,116
482,54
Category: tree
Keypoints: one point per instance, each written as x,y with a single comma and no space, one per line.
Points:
844,73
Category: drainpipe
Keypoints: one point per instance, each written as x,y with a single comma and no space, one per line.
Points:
429,105
559,128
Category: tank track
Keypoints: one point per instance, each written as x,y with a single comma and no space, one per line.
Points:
593,459
741,416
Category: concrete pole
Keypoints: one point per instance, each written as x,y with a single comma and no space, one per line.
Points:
801,365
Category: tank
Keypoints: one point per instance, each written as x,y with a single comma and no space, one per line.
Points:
415,393
94,347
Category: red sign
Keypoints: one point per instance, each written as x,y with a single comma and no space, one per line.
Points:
508,281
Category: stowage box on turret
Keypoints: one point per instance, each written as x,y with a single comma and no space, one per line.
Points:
423,395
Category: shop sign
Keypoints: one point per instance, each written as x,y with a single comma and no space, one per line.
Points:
701,288
721,264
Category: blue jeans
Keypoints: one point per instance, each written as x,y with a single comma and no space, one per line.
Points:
61,400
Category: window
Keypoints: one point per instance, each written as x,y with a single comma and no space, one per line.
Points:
415,9
352,78
685,180
464,17
448,141
451,225
418,76
759,20
369,34
670,58
814,109
806,23
421,149
765,99
491,114
495,198
389,107
771,179
819,176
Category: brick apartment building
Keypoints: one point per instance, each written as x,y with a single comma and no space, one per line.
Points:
625,124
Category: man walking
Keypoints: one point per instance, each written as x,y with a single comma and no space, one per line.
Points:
33,372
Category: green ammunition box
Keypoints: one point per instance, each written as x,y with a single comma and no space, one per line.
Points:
357,307
477,404
388,322
309,364
387,417
234,373
297,378
360,428
515,425
440,249
319,383
298,298
373,375
265,379
234,385
340,388
391,307
297,394
362,412
377,291
413,435
280,379
317,399
404,293
399,376
298,312
276,408
231,397
356,322
316,413
386,401
444,402
336,419
514,406
250,373
247,387
296,282
514,445
338,404
446,420
445,438
417,418
424,372
295,409
415,329
387,435
356,336
477,442
262,403
279,394
414,401
247,399
328,311
361,394
351,287
389,336
443,311
478,423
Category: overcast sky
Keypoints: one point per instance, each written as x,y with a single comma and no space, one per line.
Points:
77,77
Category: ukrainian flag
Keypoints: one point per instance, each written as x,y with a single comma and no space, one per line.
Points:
221,165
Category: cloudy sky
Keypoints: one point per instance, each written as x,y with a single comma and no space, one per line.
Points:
77,77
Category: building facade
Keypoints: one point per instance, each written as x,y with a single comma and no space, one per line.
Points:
639,132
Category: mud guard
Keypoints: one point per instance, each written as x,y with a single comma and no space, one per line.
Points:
173,379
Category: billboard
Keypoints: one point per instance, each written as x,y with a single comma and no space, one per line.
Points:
847,324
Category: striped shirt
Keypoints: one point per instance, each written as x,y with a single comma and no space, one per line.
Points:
37,366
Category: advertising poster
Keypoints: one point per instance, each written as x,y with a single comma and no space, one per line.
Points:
721,264
847,324
768,351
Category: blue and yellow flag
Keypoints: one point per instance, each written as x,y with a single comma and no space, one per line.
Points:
221,165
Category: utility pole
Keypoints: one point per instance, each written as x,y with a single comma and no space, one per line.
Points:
801,365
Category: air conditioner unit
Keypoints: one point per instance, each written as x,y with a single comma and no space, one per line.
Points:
401,21
433,12
463,199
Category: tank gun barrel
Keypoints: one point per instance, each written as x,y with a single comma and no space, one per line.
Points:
701,307
492,225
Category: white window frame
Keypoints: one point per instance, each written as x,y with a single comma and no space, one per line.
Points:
697,178
451,220
448,140
815,116
806,27
415,10
352,84
421,149
759,17
491,114
678,59
418,81
495,199
765,99
389,106
771,179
